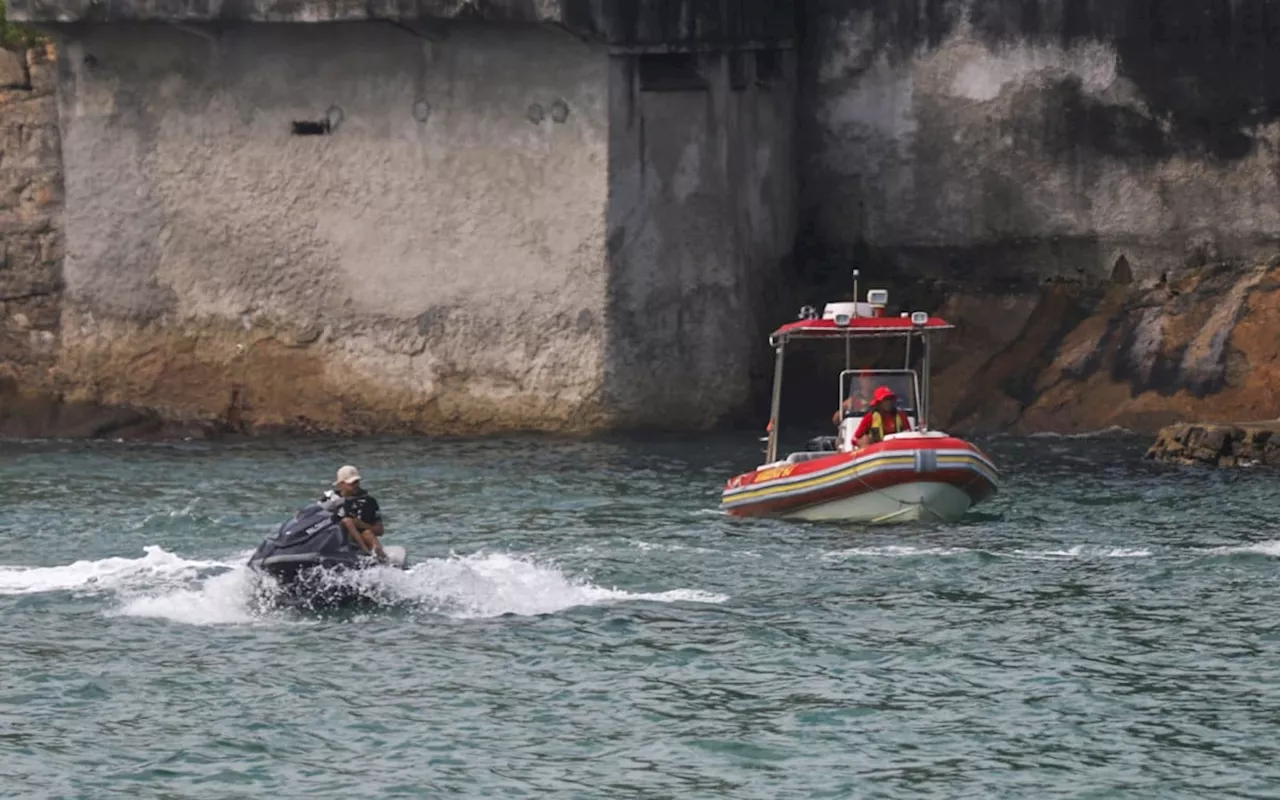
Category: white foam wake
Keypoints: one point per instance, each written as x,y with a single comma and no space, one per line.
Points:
1080,551
1267,548
498,583
229,598
163,585
157,566
896,551
907,551
1113,430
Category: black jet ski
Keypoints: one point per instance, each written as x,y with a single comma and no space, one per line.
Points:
309,554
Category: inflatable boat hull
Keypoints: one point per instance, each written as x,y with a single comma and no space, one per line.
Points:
907,477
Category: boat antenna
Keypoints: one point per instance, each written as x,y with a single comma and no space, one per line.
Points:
855,286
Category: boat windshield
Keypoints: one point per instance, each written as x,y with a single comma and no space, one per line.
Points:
861,385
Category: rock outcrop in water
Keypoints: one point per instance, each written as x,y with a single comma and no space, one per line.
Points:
1219,445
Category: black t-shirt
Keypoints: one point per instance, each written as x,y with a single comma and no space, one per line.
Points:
361,506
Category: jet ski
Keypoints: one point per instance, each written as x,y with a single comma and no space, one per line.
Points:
310,555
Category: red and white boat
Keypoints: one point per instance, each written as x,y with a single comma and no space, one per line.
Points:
919,474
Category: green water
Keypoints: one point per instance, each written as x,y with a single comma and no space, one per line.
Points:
580,621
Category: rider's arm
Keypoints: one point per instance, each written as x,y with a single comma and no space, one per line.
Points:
366,539
352,528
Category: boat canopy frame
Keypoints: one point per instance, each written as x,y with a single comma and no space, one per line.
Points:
909,328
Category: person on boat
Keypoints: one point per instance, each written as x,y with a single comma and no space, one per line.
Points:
857,402
883,418
356,510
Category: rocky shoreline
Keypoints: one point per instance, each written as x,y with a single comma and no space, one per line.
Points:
1219,444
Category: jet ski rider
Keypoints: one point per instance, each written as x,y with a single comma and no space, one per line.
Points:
356,510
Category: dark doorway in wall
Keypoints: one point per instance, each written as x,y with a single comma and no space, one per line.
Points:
310,128
671,72
1121,272
768,66
739,70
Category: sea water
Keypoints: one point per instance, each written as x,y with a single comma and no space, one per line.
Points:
580,620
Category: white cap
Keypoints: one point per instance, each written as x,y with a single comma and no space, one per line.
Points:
347,474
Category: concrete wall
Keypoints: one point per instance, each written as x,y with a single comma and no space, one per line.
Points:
990,139
496,227
701,221
662,23
436,262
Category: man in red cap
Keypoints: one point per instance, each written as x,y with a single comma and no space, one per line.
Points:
883,418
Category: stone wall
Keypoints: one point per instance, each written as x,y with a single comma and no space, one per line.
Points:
30,231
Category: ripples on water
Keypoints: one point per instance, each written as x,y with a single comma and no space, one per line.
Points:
580,620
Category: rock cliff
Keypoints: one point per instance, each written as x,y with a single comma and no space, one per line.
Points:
1088,190
1076,358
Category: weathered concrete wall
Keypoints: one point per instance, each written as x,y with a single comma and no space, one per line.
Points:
1088,189
494,228
678,23
435,259
701,221
436,262
1091,190
986,138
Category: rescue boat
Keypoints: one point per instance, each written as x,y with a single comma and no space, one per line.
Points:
917,474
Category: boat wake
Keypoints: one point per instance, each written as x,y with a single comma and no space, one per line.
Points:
1113,431
158,566
1267,548
1071,553
164,585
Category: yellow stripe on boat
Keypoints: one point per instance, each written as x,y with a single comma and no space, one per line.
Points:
859,469
856,469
